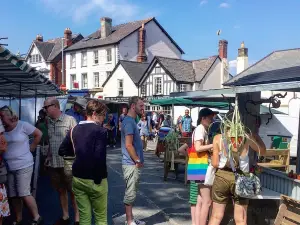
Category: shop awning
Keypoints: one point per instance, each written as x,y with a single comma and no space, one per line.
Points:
19,79
188,102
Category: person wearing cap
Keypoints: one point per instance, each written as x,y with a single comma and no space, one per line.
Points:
77,111
200,199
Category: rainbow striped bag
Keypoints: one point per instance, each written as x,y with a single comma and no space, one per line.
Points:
197,164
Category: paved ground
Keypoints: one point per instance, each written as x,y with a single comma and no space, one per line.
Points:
158,202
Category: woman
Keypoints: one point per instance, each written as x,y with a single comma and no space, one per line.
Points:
111,131
224,183
19,160
89,169
167,122
144,131
4,206
199,193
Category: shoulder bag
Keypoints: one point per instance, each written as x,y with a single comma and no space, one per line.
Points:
69,160
246,186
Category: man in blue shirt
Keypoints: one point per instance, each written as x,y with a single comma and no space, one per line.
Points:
186,124
132,156
77,111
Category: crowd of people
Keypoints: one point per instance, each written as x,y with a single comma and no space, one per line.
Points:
74,150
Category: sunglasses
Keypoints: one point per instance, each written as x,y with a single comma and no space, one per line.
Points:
47,106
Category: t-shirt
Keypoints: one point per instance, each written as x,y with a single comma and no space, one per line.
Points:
18,155
201,134
129,127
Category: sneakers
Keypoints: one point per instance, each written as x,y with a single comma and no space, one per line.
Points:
136,222
37,222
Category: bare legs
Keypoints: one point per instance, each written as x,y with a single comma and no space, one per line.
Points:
30,202
75,207
63,197
203,205
240,214
129,215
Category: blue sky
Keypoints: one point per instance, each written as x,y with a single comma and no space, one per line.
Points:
264,25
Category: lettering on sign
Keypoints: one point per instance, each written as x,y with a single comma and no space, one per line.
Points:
145,98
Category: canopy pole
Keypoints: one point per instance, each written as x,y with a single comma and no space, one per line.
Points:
35,100
20,101
298,148
173,115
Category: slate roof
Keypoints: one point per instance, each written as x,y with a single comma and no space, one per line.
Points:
202,66
135,70
179,69
119,32
50,49
279,66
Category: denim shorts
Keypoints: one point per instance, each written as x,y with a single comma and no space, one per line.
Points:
18,182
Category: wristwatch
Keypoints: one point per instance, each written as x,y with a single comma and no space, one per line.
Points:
137,161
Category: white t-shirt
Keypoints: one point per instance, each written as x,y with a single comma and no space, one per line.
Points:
201,134
18,155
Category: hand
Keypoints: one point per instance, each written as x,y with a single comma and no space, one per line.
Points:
139,165
47,161
32,148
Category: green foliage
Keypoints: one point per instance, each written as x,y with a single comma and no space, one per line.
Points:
172,141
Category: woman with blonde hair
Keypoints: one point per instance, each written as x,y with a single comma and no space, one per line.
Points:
19,160
87,141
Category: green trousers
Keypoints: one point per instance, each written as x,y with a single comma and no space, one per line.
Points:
91,197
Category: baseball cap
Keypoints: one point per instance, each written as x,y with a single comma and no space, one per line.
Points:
82,102
206,112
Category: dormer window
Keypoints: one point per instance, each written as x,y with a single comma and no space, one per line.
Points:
36,58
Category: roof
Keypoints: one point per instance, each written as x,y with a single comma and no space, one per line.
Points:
202,66
179,69
18,78
50,49
279,66
119,32
135,70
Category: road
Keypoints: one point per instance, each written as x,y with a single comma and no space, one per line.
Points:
158,202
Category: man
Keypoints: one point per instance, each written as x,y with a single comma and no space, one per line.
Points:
58,126
185,124
133,157
78,109
122,116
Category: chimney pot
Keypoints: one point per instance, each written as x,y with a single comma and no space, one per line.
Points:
106,26
67,37
223,44
243,51
39,38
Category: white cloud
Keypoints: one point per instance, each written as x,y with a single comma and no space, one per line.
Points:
224,5
80,10
203,2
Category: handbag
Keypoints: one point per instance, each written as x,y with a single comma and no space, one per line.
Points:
196,162
246,186
69,160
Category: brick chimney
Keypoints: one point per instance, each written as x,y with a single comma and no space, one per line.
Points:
67,37
39,38
142,57
223,49
106,26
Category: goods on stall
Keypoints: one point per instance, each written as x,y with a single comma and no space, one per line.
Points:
172,143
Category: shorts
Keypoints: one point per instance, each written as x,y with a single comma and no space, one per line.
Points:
193,192
59,180
18,182
131,176
224,188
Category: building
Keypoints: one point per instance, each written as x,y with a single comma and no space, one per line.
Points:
46,56
276,60
93,59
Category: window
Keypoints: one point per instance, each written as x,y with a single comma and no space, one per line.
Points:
96,58
108,55
157,70
157,83
84,80
147,108
83,59
183,87
72,80
35,58
96,80
120,87
73,61
167,109
143,90
108,73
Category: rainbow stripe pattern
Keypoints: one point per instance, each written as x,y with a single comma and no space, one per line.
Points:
197,165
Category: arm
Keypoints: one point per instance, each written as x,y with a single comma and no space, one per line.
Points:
37,135
129,147
199,136
66,147
257,144
216,149
100,150
200,147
